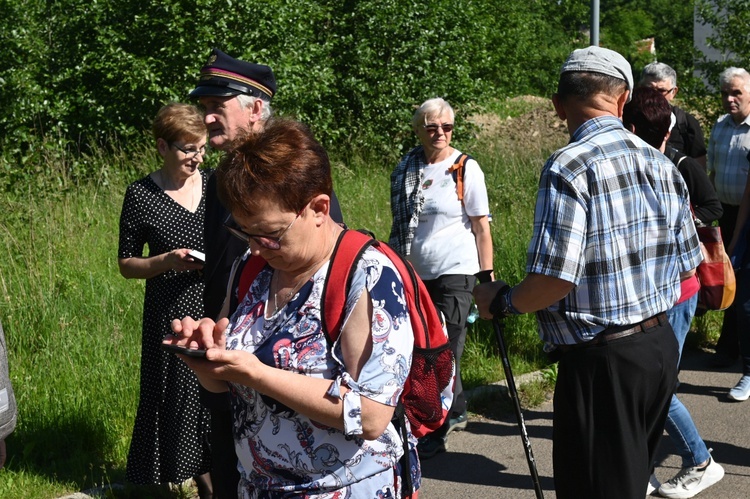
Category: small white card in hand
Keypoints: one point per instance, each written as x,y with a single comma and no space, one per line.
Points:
198,256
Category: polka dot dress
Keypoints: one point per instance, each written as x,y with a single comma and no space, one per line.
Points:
171,434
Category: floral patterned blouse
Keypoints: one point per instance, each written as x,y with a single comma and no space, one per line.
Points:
283,453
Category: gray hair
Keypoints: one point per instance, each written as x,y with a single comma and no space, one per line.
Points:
248,101
431,108
730,74
583,85
658,71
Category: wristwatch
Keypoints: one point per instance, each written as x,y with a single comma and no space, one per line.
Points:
501,305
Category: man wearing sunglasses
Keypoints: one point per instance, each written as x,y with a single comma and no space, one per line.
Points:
236,99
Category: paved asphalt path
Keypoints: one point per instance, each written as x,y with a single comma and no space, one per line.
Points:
487,459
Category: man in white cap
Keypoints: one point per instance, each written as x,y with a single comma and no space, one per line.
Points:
612,232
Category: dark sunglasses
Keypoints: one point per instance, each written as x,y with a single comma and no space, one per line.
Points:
447,127
268,242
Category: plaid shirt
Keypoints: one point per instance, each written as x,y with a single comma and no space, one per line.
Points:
612,216
727,158
407,199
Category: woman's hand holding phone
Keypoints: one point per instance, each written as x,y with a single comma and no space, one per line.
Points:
184,350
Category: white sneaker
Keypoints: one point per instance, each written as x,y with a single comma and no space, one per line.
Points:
690,481
741,390
653,485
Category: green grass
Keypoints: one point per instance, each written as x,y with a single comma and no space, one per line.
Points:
73,327
73,323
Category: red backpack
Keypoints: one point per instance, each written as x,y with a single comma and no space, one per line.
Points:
428,391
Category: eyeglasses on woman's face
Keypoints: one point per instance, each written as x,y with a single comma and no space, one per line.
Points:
191,151
433,127
268,242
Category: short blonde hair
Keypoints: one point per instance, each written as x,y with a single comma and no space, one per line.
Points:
431,108
177,121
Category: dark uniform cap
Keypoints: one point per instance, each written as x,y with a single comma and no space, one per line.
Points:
225,76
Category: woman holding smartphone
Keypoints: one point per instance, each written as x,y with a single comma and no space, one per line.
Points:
165,210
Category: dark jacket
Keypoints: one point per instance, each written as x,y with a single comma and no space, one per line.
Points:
703,198
687,136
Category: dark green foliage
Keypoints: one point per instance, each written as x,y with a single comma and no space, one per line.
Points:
78,73
96,72
731,24
624,25
670,23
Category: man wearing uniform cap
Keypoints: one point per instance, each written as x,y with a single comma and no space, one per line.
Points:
612,232
236,98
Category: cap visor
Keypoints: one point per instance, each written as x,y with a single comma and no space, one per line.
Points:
209,90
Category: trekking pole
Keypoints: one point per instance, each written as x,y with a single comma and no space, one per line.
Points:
499,327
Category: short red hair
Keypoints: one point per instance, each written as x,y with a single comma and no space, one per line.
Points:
283,162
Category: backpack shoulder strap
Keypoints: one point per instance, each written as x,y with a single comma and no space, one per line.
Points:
247,274
347,251
457,170
415,293
675,156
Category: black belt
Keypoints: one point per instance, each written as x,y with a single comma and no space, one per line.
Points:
617,332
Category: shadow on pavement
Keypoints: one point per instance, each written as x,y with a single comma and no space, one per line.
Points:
459,467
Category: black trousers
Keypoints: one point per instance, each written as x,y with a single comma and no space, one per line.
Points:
611,401
729,343
224,473
451,294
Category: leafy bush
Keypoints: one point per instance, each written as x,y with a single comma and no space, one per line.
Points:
91,73
80,73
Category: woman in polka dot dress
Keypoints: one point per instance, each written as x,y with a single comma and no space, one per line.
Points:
166,211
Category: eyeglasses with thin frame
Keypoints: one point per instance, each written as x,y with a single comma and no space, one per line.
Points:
433,128
665,91
191,153
268,242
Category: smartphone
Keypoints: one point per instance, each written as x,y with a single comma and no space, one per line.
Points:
198,256
190,352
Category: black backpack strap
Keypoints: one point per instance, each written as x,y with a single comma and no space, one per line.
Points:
399,422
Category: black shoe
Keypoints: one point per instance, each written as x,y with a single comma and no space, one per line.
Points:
430,445
458,423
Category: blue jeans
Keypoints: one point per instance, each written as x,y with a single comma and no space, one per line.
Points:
679,424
